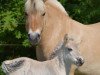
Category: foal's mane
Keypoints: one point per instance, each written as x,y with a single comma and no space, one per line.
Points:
14,66
59,47
56,50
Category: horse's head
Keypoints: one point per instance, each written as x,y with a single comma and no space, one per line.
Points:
72,52
35,13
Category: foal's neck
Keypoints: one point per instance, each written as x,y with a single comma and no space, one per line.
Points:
59,56
67,67
62,65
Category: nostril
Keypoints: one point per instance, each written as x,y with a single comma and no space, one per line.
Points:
81,62
28,35
38,35
79,59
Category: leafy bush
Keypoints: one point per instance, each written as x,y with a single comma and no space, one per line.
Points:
1,72
84,11
12,23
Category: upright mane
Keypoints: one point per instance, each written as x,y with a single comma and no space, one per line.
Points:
32,5
39,5
59,47
56,50
58,4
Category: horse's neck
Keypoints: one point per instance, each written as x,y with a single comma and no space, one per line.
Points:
52,34
57,24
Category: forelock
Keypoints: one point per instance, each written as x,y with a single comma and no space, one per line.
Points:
34,5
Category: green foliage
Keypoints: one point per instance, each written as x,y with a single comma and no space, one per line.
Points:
8,21
84,11
12,22
1,72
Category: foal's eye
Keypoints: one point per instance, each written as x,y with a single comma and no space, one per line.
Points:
69,49
43,14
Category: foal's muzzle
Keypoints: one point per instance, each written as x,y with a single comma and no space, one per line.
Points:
34,38
80,61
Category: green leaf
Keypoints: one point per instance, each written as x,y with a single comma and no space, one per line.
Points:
18,34
26,43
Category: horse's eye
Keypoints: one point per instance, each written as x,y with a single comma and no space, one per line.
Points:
43,14
69,49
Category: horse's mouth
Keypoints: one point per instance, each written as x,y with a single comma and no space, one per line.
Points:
34,41
79,63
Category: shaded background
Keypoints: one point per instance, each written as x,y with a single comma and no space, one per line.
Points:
13,36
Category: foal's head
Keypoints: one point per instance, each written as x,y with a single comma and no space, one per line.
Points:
71,51
35,13
68,50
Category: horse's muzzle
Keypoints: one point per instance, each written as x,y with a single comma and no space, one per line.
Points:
34,38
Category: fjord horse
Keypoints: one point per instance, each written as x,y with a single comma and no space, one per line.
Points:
48,22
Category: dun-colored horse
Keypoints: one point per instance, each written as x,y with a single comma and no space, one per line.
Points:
48,22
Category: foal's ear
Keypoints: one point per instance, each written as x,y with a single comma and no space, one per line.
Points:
66,38
44,0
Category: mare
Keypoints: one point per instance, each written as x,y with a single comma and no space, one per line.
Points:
47,22
64,55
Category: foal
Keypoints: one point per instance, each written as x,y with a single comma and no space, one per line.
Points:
60,62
